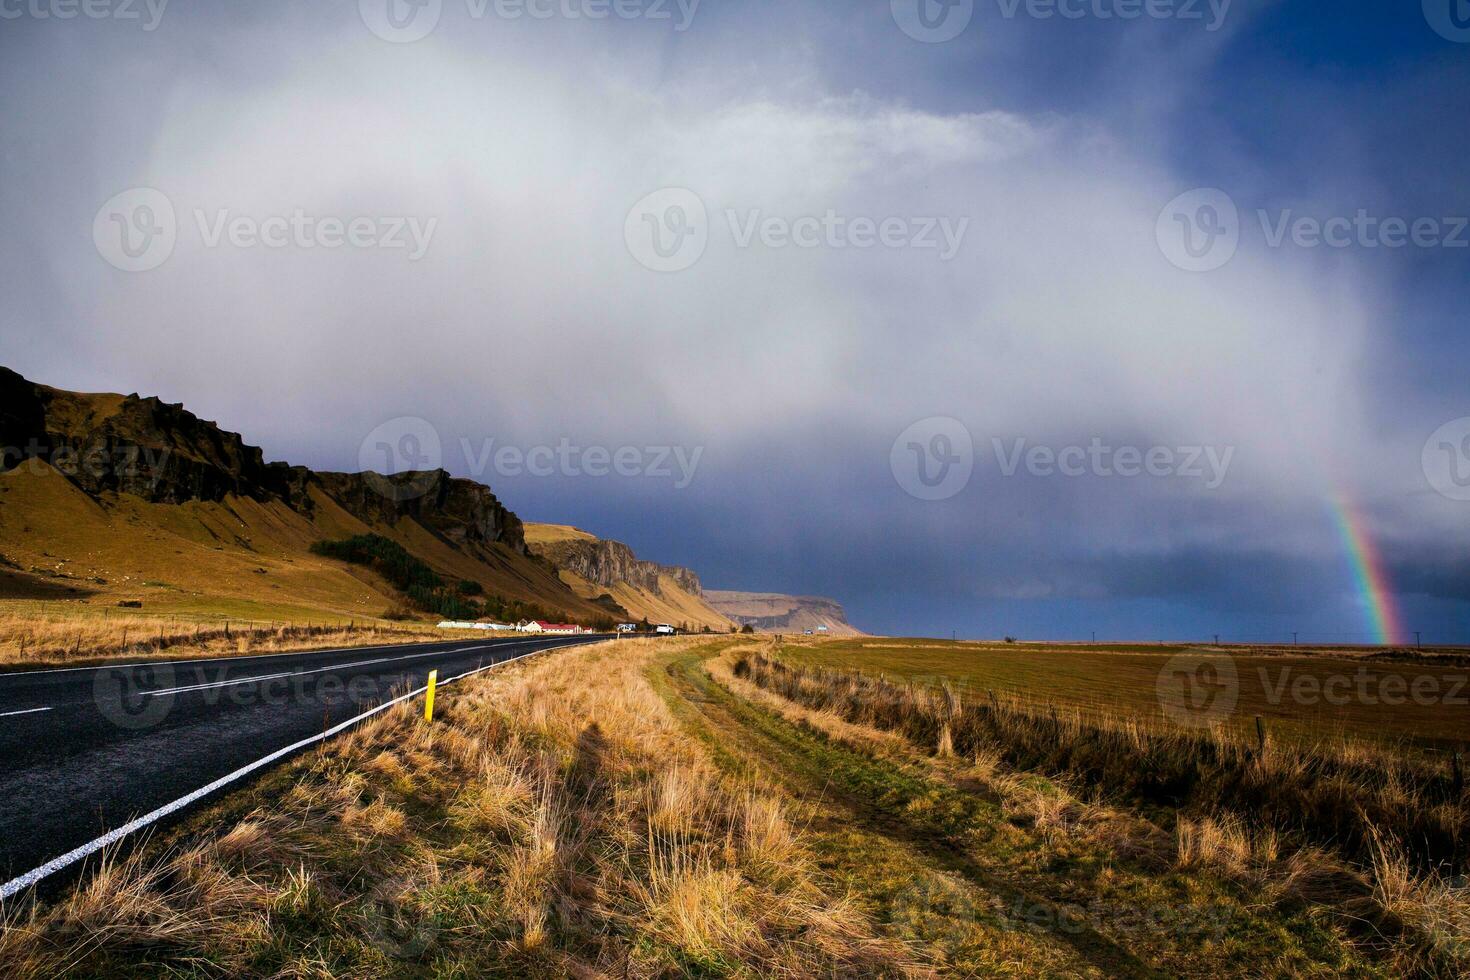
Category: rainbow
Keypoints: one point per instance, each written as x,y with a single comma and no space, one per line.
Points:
1369,573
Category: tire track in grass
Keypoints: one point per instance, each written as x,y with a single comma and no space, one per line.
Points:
893,810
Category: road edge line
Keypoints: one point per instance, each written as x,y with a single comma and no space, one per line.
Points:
17,885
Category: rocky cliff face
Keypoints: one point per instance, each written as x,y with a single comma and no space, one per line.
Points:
140,446
165,454
772,613
685,578
461,511
608,563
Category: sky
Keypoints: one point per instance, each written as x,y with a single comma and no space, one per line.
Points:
1041,318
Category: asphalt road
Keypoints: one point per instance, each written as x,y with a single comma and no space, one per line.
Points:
87,752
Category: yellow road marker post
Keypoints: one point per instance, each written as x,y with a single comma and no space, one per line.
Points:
429,700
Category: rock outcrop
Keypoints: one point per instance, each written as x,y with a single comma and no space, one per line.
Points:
770,612
167,455
460,511
609,563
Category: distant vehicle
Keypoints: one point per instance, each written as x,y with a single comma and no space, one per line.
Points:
823,629
664,630
627,627
806,632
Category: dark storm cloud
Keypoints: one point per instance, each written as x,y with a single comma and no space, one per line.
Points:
526,320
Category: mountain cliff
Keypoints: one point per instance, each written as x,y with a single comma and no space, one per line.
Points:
593,567
136,496
769,612
108,497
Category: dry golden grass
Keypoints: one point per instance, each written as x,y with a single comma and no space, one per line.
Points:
62,635
1398,893
554,820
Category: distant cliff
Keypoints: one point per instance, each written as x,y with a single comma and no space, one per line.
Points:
770,612
607,563
648,590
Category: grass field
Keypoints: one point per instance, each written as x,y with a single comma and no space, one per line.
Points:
1302,695
661,808
50,634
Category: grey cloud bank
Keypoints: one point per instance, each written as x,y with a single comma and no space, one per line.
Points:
923,237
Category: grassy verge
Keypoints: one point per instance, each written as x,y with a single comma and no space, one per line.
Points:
1230,812
553,821
59,636
985,873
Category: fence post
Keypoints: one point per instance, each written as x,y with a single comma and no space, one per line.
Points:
1260,736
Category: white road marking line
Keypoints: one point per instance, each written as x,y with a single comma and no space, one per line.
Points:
18,885
28,711
319,670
